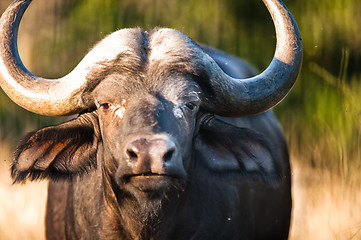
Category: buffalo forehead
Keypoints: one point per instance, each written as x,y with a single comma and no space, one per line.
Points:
165,48
161,45
161,62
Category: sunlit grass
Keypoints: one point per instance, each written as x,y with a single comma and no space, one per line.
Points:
22,207
325,206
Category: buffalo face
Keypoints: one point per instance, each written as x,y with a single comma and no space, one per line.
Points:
147,134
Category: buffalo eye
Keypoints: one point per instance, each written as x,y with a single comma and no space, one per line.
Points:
105,106
191,106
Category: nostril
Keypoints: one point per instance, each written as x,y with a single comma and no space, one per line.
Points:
168,155
132,155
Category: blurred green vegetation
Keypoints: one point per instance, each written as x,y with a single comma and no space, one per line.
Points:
321,116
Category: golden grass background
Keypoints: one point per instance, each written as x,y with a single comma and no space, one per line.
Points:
22,207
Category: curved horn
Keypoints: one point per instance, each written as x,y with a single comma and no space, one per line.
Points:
241,97
43,96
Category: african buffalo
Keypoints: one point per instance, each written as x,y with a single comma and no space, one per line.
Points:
172,141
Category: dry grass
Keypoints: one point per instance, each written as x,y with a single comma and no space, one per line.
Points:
325,206
22,207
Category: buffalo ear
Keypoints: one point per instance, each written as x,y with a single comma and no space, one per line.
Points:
61,151
241,153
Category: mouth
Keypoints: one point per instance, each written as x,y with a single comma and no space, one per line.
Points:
153,183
